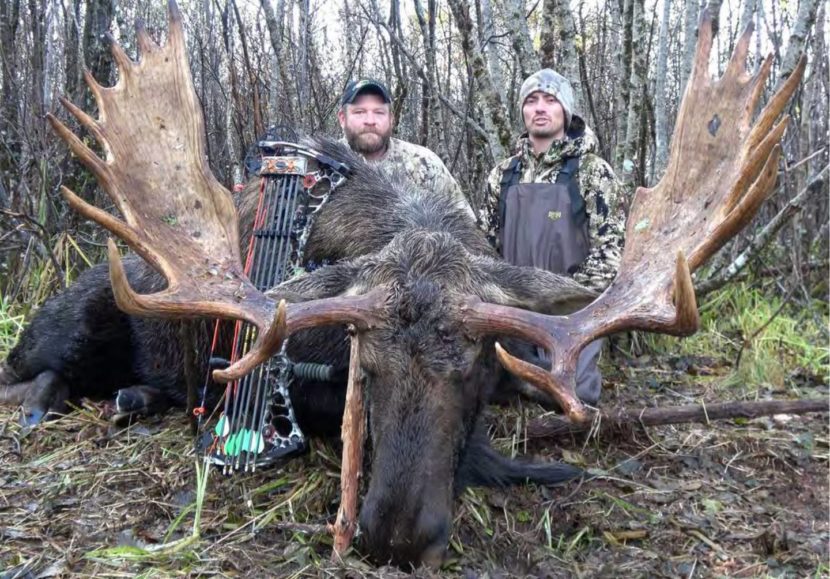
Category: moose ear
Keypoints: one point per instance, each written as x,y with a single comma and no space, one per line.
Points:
529,288
326,282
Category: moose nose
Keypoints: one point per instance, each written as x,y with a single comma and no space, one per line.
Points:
433,533
389,535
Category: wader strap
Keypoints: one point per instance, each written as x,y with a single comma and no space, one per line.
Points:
567,176
511,176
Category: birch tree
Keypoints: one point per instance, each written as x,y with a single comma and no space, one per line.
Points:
636,84
691,15
805,21
568,59
660,106
520,40
497,124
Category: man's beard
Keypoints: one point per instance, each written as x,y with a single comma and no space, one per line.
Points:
368,142
543,132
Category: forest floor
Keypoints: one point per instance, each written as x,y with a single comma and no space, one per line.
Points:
737,498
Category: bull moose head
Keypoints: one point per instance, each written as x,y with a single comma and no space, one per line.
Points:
427,307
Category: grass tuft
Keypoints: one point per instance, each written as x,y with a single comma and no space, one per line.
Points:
769,342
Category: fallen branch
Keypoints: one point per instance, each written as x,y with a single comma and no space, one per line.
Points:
352,435
622,418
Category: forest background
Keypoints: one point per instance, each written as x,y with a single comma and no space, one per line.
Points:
454,68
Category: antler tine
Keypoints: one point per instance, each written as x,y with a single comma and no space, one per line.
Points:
776,104
545,381
721,168
146,45
736,67
700,64
364,311
92,161
687,319
266,346
123,62
86,121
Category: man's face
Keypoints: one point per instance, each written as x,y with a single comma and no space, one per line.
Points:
544,116
367,124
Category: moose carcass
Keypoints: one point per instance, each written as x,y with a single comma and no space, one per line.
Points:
427,305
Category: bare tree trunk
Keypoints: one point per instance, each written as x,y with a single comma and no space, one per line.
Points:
274,23
568,59
255,106
747,14
8,59
233,103
520,37
49,49
805,20
547,46
431,113
72,49
37,61
10,141
487,34
623,58
99,15
663,132
713,6
302,58
402,84
637,85
498,128
692,13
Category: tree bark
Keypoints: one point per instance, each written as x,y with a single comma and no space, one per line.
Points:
72,50
624,23
497,124
274,23
692,13
637,96
9,24
253,78
516,23
805,20
302,64
661,113
568,58
487,34
747,13
98,21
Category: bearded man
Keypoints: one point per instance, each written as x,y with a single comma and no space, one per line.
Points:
556,204
366,118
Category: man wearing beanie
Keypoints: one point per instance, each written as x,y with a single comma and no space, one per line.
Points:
555,205
366,118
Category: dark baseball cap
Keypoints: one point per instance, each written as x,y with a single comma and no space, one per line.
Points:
356,88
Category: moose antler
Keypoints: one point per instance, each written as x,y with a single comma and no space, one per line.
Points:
720,171
177,216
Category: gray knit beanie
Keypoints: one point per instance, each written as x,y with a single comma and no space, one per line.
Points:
550,82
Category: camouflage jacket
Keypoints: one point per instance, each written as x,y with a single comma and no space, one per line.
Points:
599,186
422,168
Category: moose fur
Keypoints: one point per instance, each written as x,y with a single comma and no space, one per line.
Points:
428,381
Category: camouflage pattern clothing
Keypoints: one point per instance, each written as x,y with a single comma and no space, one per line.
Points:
599,186
422,168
